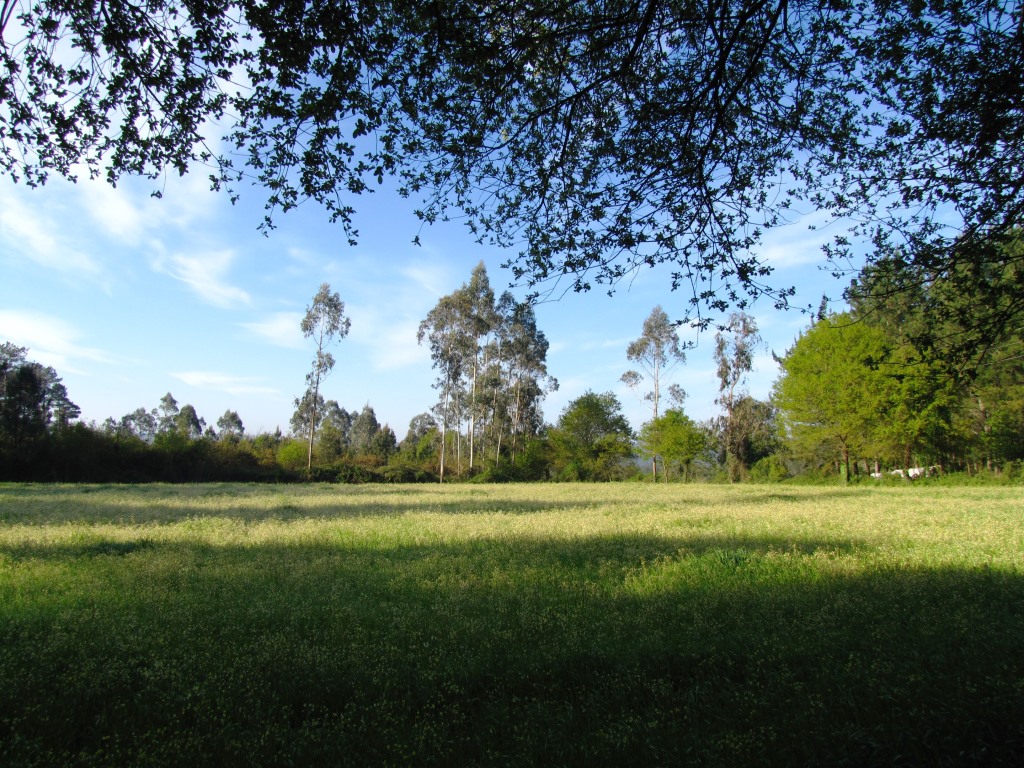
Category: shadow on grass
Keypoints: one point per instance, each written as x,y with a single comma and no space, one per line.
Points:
622,650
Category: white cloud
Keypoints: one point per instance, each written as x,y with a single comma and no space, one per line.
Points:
280,329
607,344
222,382
206,275
796,244
129,212
50,340
395,346
112,210
30,232
429,281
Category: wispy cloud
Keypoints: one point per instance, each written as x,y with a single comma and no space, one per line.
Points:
797,244
129,212
280,329
223,382
394,345
431,280
113,211
50,340
206,275
28,231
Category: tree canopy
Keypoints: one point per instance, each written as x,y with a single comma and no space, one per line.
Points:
593,138
592,438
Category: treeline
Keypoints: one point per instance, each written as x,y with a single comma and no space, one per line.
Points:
888,384
169,443
858,395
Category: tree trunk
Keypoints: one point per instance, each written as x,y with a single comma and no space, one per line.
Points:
516,418
312,423
444,432
472,411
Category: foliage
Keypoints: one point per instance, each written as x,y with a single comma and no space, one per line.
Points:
324,320
656,352
591,440
734,354
547,124
33,400
492,371
676,438
850,388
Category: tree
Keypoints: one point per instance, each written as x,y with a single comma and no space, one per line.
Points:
657,351
364,430
307,413
335,429
734,354
950,335
477,299
957,314
989,423
444,330
591,439
188,423
419,427
230,426
547,122
384,444
24,415
324,320
33,399
139,423
674,437
417,442
491,361
168,414
754,433
829,397
519,378
845,390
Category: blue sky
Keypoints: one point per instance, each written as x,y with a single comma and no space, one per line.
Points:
130,297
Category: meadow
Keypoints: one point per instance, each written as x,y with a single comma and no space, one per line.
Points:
624,624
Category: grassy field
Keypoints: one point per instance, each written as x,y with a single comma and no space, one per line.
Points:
511,625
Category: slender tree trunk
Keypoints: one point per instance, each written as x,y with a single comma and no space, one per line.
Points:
472,411
516,418
312,423
458,445
444,431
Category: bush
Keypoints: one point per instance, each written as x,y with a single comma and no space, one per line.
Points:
406,473
770,469
293,456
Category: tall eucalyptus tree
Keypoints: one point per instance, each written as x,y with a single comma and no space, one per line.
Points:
734,354
656,352
323,322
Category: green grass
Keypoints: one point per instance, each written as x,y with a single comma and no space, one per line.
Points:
511,625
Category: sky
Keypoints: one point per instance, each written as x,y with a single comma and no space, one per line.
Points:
129,297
